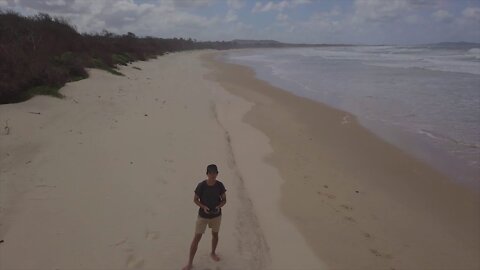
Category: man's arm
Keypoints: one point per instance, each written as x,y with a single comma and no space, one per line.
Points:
196,200
224,200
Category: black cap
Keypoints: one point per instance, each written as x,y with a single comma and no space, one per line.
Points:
212,168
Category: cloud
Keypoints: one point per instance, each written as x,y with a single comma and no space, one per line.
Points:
55,3
388,11
472,13
442,16
412,19
235,4
164,18
379,10
231,16
188,3
278,6
367,21
282,17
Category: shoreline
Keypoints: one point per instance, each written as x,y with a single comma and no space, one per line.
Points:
421,143
370,201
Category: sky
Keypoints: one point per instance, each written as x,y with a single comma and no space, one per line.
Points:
296,21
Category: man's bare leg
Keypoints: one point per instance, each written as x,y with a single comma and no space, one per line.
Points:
193,250
214,246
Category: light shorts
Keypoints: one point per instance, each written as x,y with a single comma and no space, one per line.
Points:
213,223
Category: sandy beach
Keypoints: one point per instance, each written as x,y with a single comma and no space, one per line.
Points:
104,179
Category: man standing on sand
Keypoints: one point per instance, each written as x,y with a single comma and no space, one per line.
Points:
210,197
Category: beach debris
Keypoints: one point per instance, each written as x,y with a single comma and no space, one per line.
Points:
1,241
131,162
357,191
6,128
35,112
28,162
325,186
345,120
74,100
146,114
119,242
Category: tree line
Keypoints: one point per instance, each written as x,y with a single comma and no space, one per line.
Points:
40,53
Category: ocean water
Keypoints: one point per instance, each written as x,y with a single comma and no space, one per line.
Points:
423,99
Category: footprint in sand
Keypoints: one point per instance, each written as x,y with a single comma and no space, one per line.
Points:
351,219
134,263
161,180
151,235
380,254
328,195
346,207
367,235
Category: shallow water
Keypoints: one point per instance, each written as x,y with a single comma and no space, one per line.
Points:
424,100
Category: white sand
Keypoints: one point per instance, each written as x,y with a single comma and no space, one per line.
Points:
104,178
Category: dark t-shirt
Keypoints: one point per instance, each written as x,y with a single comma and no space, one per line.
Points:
211,197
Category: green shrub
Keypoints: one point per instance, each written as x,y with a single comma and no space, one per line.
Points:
98,63
44,90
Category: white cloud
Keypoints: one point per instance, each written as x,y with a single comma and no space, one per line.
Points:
472,13
379,10
164,18
388,11
55,3
282,17
442,16
188,3
231,16
368,21
412,19
277,6
235,4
